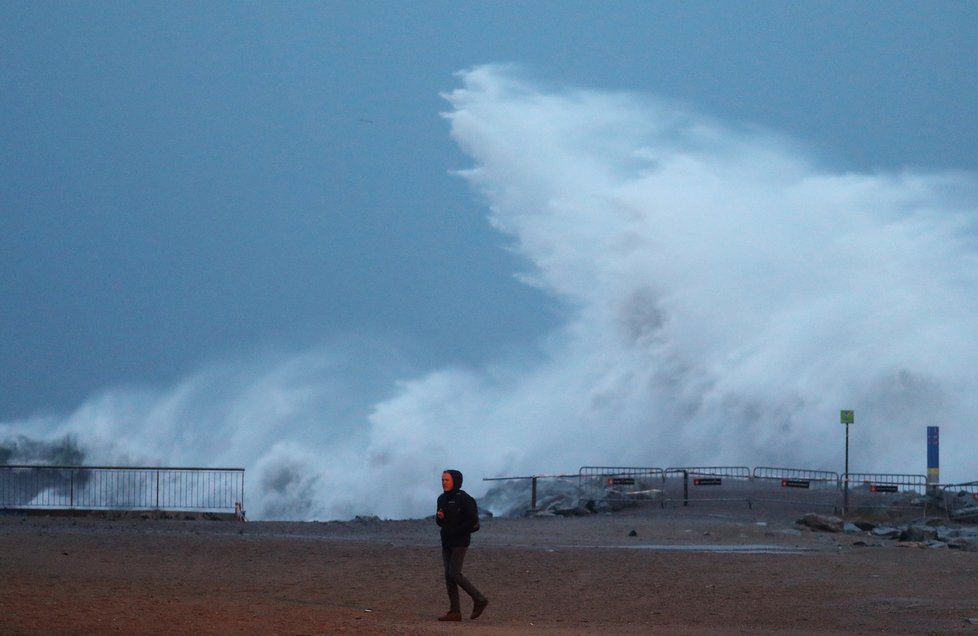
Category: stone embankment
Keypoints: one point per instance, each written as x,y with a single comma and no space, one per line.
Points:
929,533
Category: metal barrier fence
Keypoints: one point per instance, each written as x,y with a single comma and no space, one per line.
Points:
961,500
707,483
121,488
796,487
784,487
613,487
534,479
887,482
870,491
620,484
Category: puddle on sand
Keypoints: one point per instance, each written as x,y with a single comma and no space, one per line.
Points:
754,548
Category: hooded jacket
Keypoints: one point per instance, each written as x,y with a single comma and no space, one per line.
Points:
461,514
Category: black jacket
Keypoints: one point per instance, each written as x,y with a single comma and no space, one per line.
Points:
461,515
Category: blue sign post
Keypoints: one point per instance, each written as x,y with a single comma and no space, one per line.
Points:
933,458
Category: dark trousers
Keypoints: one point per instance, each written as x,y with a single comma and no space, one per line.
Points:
454,579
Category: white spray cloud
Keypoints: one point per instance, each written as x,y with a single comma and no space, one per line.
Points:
730,295
725,297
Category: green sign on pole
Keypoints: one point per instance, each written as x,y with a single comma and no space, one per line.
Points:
848,417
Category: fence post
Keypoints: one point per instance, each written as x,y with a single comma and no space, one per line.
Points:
685,488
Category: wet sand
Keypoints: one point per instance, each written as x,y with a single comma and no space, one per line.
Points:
653,571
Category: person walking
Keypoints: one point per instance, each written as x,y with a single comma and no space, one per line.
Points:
458,518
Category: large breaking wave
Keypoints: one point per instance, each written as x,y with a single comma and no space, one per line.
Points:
724,295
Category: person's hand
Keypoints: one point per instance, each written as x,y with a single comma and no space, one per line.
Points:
440,514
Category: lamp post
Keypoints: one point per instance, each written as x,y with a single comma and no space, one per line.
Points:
847,418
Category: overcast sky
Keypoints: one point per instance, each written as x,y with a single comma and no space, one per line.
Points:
348,243
186,182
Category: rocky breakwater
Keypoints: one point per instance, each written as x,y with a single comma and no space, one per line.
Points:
928,533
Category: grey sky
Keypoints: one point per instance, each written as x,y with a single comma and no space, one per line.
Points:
182,182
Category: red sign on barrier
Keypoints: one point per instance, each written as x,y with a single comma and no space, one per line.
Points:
795,483
707,481
621,481
882,488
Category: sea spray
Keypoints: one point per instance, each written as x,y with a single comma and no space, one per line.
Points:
724,295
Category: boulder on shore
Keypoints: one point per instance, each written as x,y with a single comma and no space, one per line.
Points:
823,523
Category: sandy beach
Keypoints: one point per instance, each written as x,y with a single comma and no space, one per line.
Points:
668,572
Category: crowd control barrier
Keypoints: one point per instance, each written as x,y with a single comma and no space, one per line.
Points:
960,501
620,485
697,484
873,491
608,488
816,490
27,487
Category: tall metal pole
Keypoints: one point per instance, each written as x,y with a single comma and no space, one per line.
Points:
845,483
847,418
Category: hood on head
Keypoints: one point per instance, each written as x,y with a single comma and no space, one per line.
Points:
456,477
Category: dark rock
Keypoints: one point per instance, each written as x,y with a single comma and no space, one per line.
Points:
918,533
822,523
967,513
565,512
886,532
865,526
965,545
